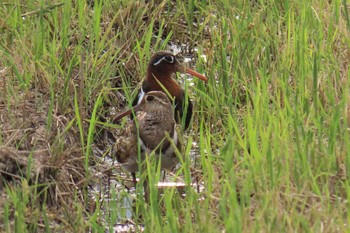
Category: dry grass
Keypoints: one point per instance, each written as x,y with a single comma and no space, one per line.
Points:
271,126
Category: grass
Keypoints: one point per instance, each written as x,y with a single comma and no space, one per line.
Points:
271,125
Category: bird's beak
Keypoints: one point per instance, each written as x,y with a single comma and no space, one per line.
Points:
128,112
193,73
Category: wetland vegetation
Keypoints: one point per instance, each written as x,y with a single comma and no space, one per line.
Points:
269,147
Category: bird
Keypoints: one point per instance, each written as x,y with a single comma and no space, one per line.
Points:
153,132
160,69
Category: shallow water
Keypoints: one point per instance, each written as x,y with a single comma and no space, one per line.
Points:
115,189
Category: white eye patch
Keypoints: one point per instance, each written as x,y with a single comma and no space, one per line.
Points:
169,59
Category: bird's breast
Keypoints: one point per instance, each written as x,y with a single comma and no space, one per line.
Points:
154,126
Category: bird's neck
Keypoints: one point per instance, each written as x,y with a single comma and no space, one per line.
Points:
154,82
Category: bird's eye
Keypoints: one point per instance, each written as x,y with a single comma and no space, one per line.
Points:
149,98
169,59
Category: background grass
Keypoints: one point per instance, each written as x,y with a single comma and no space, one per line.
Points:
271,125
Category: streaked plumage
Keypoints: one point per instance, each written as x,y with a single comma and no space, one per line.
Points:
155,119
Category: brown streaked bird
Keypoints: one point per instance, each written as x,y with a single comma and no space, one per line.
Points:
160,69
155,119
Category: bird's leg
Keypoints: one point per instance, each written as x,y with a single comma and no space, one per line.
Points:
133,174
147,190
164,173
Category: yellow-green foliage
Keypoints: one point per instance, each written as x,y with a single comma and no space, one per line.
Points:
270,139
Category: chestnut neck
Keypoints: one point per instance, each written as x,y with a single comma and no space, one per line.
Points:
153,78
